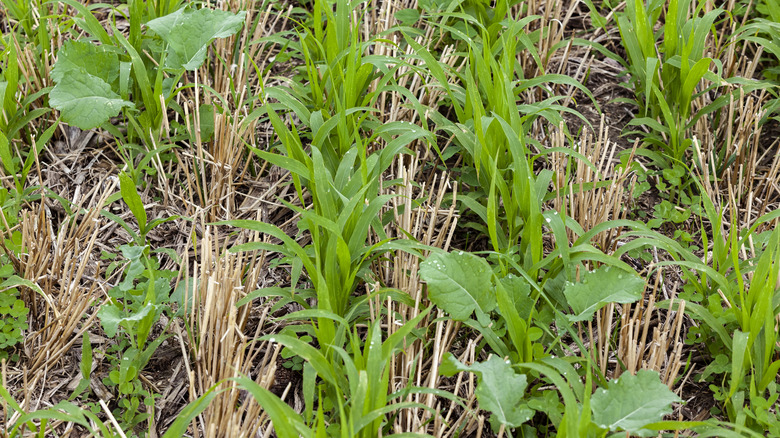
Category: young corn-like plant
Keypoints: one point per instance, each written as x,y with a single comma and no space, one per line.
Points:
666,74
342,177
19,112
492,128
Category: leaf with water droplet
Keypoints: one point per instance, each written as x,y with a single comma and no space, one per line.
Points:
499,389
632,402
459,283
599,288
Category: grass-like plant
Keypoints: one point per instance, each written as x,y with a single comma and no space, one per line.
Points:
370,127
492,129
764,32
63,411
342,177
667,68
733,296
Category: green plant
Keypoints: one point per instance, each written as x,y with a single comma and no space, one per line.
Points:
625,404
499,390
18,97
666,75
13,311
764,31
463,284
734,298
95,83
135,305
337,88
129,195
63,411
345,210
632,402
491,130
292,361
508,318
466,18
18,117
85,367
354,385
341,170
26,16
386,135
337,152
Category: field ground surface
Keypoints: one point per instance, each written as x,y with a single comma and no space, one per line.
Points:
334,218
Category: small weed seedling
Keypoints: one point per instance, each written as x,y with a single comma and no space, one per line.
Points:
135,305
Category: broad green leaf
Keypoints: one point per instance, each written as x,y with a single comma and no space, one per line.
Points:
189,32
112,317
459,283
132,253
519,292
600,287
75,56
499,389
86,101
631,402
407,16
